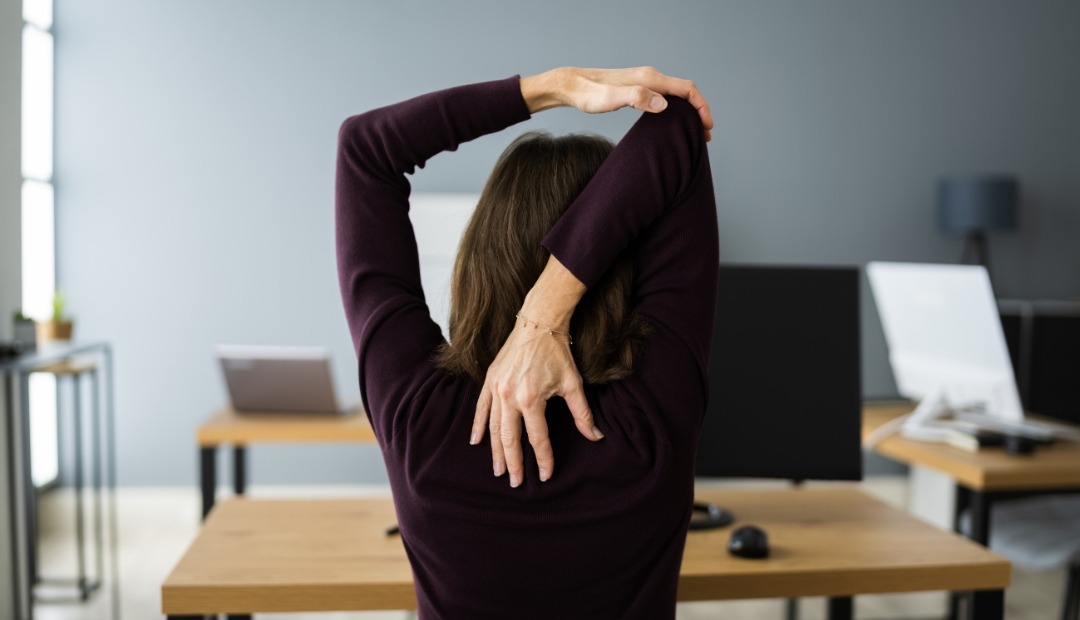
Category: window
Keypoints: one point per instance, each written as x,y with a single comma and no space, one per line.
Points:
38,220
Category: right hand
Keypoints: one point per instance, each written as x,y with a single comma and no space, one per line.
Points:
531,367
605,90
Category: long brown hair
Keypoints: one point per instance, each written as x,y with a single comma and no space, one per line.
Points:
500,258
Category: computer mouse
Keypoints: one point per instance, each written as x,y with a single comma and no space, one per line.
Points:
749,541
1018,444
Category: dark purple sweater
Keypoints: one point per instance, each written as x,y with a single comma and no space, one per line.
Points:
604,537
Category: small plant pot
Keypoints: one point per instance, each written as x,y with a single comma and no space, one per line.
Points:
54,330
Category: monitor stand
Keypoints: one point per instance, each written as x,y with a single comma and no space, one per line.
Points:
714,517
934,406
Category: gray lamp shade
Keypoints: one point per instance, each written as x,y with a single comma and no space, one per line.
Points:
978,203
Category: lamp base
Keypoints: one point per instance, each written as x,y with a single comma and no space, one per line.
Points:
975,250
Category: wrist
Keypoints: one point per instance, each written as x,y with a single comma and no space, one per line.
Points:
541,92
553,298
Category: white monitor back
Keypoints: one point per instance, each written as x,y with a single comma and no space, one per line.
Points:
439,221
944,335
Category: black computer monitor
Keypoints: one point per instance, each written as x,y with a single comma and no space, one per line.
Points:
1043,339
785,378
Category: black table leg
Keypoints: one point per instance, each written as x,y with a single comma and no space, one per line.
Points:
29,492
80,515
792,611
980,518
978,503
841,608
13,492
962,503
239,463
208,477
987,605
1071,609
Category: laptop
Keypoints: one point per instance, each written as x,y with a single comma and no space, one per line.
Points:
293,379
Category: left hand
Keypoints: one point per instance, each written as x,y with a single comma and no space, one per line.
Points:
605,90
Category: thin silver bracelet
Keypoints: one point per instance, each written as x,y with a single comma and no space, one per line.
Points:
525,322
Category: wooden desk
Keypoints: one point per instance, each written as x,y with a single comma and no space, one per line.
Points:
239,429
981,477
331,555
992,469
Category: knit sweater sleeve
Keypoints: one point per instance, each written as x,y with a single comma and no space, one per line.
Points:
653,196
377,258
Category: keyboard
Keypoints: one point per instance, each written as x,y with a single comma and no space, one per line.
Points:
1039,431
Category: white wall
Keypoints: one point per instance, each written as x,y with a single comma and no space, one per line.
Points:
196,154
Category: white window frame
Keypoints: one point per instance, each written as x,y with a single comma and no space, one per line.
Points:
39,243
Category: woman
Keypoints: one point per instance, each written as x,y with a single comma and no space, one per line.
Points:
635,244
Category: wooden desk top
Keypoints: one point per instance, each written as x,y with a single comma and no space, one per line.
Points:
228,426
326,555
991,469
69,367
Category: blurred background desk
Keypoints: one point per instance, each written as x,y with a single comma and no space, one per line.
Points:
21,492
981,477
239,429
991,475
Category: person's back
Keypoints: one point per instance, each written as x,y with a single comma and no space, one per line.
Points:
603,537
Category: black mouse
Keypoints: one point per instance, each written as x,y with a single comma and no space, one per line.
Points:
749,541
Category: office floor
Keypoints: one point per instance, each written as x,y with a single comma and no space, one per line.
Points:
156,525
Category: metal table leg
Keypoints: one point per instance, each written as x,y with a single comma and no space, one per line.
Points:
1071,609
95,445
207,477
980,517
27,481
962,503
80,525
239,468
979,504
841,608
791,611
987,605
14,482
110,465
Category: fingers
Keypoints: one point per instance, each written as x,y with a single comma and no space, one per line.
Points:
510,436
483,410
536,428
656,83
641,98
498,461
579,407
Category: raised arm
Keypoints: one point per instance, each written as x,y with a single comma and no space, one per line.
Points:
378,264
651,170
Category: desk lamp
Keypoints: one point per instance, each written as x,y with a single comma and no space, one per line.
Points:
974,206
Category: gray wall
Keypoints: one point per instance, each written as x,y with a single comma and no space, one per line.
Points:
196,153
10,162
10,292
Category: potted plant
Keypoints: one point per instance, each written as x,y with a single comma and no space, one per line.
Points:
23,330
59,326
